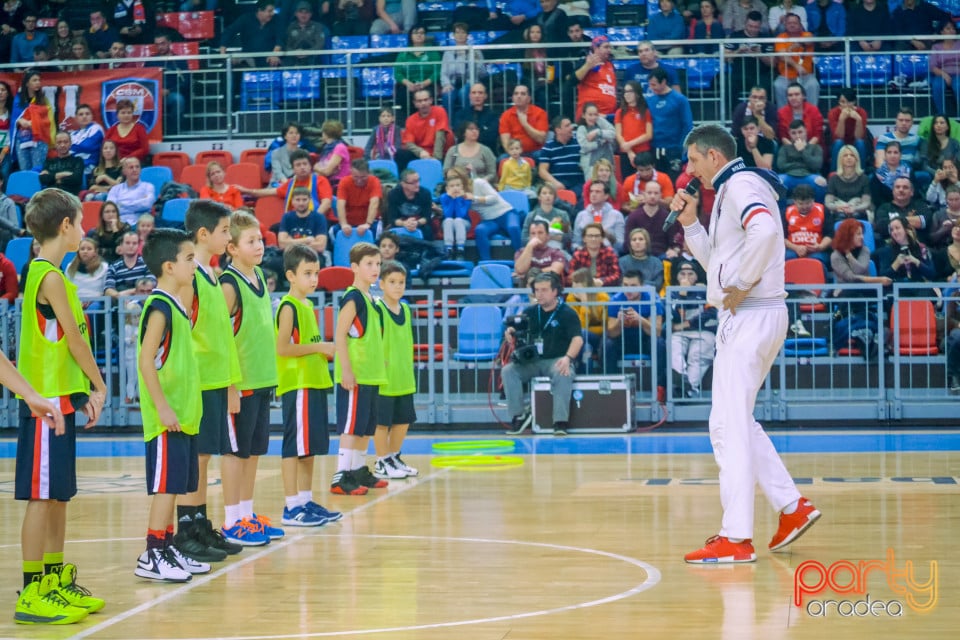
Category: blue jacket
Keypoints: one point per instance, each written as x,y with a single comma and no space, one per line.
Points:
836,18
21,49
666,27
672,119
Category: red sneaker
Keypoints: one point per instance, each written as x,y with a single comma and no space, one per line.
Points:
719,550
794,525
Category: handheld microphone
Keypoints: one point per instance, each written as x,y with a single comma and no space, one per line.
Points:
692,188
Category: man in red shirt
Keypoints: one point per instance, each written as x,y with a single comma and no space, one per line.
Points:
598,79
808,232
426,133
358,198
634,186
798,108
524,121
848,125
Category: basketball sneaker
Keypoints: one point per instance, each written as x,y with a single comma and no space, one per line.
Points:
793,525
365,478
188,540
157,564
74,593
403,466
301,517
41,603
246,533
719,550
331,516
186,563
345,484
213,537
266,525
388,468
560,428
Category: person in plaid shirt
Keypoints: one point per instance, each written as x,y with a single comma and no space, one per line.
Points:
594,255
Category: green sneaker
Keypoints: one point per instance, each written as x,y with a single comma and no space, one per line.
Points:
41,603
74,593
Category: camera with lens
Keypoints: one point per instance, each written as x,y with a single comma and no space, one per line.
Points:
524,350
904,250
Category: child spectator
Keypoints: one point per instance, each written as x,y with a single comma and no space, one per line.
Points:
456,217
694,332
592,312
87,271
515,172
384,140
596,137
146,223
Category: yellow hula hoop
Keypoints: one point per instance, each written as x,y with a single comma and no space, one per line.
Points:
474,446
477,463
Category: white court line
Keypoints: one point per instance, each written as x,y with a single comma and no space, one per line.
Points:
267,550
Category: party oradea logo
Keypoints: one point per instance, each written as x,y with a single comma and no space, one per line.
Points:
140,91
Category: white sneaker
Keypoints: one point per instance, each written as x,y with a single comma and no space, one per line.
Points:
799,330
155,564
187,564
403,466
387,468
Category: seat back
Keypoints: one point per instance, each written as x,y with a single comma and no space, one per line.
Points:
343,243
18,251
918,327
479,333
91,214
224,157
335,279
491,276
518,200
175,210
430,170
269,210
175,160
803,271
23,184
194,175
245,174
567,196
257,157
388,165
157,176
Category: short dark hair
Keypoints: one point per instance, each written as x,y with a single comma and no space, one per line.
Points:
540,222
660,74
557,122
755,16
392,266
644,159
300,191
389,235
549,277
749,120
796,124
162,246
849,93
297,254
712,136
803,192
47,210
905,110
263,4
360,164
204,214
797,84
633,274
299,154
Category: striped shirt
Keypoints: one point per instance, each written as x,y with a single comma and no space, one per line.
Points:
564,162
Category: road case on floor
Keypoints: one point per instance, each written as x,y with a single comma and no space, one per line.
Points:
598,404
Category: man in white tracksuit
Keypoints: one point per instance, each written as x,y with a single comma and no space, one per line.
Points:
743,255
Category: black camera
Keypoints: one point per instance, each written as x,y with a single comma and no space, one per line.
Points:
904,250
523,351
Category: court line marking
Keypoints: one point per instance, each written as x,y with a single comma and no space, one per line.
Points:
267,550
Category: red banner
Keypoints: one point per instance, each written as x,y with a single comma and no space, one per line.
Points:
101,89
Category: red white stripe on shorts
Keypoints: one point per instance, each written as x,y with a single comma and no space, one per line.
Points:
40,482
160,465
303,422
350,428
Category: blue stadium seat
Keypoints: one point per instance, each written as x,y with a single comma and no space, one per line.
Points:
67,259
18,251
517,199
430,170
701,72
23,183
300,84
453,269
830,71
357,45
502,67
871,70
914,66
389,41
260,90
805,347
478,334
376,82
625,34
389,165
342,245
157,175
622,12
491,276
175,211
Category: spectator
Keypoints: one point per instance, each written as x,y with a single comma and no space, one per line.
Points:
693,340
321,193
557,330
539,252
737,12
635,185
566,69
334,162
107,173
146,224
639,260
34,254
672,121
455,203
648,62
100,35
600,211
795,69
394,16
597,79
633,126
496,214
914,212
799,161
9,289
302,224
133,196
129,135
827,19
33,124
600,258
651,216
595,137
10,226
777,15
537,70
634,325
867,22
953,249
756,150
944,63
893,168
123,274
917,18
409,206
808,228
474,157
61,45
118,58
86,139
176,84
848,125
938,146
132,21
6,107
426,133
953,335
358,198
552,20
666,25
257,33
848,190
87,270
304,34
591,308
904,258
415,69
757,105
481,114
384,142
909,142
63,170
281,165
524,121
11,23
945,221
23,44
559,163
850,258
946,176
455,69
80,51
353,17
516,171
602,171
752,62
708,27
556,219
217,188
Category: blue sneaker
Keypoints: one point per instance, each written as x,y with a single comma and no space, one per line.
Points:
246,533
331,516
300,517
267,527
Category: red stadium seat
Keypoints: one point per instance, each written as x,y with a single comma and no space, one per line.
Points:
269,210
245,174
174,160
194,175
187,49
91,215
918,327
257,156
195,25
335,278
805,271
224,157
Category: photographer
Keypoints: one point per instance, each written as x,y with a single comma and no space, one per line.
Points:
547,345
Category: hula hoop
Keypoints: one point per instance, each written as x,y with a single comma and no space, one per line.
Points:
477,463
474,446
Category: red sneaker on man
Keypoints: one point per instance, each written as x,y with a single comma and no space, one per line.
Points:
719,550
793,525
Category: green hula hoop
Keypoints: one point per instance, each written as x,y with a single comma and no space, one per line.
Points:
474,446
477,463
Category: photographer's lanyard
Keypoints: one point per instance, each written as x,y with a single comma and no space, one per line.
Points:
539,341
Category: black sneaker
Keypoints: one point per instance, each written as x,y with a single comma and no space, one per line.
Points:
190,544
560,428
519,424
365,478
212,538
344,484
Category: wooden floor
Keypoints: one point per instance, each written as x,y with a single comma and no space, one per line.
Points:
563,547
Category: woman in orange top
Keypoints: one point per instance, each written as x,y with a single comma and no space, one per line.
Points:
634,127
218,190
129,135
